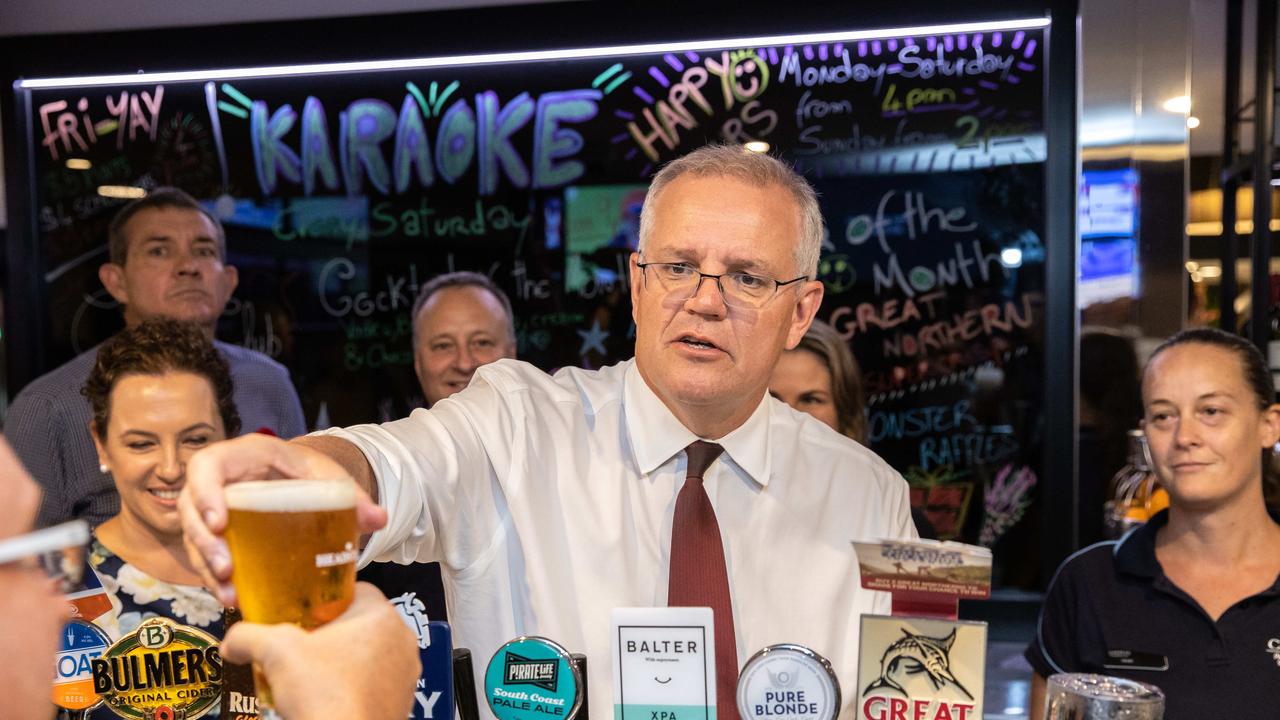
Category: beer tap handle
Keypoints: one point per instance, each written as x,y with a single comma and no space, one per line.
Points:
580,662
464,685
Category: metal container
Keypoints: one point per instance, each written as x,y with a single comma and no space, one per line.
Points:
1082,696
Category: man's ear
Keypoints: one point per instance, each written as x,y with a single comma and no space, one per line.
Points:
637,279
230,281
805,311
114,280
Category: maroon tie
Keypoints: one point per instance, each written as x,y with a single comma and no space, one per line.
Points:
698,576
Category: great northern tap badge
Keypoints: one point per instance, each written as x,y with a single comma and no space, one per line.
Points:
920,668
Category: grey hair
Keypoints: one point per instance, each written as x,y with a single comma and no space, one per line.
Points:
461,278
753,168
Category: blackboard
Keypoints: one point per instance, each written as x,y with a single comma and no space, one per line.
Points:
344,189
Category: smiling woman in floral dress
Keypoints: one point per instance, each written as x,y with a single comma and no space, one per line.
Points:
159,391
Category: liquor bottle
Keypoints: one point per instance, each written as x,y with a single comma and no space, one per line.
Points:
1136,494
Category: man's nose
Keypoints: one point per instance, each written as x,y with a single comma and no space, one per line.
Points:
707,299
466,360
187,264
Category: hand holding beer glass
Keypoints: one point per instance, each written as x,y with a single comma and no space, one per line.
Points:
294,546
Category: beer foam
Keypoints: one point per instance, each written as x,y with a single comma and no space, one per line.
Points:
292,495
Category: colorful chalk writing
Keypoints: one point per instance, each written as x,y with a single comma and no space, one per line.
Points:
425,222
68,130
472,133
742,76
342,194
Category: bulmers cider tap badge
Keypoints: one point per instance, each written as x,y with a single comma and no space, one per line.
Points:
161,671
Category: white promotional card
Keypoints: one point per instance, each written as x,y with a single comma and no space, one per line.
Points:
664,664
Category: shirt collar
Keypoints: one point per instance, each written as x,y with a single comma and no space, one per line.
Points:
657,436
1135,554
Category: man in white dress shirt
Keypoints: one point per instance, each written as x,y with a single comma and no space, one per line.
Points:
549,500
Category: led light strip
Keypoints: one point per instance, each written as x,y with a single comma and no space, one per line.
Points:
513,57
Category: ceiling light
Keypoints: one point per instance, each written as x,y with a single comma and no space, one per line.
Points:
757,146
1180,104
78,164
1011,257
142,78
1193,122
121,191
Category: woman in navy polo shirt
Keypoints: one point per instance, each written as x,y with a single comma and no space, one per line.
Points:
1189,602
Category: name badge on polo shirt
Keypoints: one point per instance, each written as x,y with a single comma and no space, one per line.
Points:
1135,660
665,664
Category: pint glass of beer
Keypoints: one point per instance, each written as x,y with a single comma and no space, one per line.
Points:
294,546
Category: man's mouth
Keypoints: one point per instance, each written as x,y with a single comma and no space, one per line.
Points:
698,342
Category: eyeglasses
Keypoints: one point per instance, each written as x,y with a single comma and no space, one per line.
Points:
737,289
58,551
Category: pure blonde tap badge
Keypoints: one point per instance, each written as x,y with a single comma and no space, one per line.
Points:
161,671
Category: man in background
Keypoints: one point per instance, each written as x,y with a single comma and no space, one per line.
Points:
461,320
167,258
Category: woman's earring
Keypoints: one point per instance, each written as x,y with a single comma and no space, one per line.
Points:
103,468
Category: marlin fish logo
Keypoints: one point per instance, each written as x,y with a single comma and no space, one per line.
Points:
918,656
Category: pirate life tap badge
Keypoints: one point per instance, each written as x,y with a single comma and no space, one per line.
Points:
82,643
161,671
665,664
532,678
920,668
433,696
788,682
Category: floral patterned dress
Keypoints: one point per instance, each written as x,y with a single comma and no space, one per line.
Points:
136,596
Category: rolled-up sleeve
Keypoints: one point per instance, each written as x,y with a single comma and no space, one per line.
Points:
436,477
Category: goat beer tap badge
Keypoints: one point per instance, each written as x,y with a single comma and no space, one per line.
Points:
82,643
161,671
532,678
788,682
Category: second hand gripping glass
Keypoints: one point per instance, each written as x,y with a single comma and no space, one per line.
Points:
737,289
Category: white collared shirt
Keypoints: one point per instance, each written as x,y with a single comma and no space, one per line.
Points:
548,502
